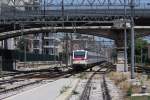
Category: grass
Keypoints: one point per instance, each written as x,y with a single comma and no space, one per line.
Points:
129,91
82,76
148,77
140,98
75,92
118,77
64,89
122,81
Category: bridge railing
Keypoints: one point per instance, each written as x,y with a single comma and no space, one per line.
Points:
22,9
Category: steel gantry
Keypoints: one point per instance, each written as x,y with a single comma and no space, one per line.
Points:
34,11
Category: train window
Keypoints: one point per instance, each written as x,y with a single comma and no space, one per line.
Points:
79,54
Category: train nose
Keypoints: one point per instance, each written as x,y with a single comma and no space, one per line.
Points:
77,59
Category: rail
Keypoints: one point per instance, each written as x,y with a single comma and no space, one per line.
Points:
106,95
40,76
86,92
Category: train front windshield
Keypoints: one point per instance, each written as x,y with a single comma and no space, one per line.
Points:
79,54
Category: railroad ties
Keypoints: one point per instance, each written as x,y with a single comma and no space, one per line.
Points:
140,69
96,86
21,81
11,85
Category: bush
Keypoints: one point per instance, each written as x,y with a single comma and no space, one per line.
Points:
148,77
129,92
64,89
75,92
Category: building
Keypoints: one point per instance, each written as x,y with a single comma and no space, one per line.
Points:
8,44
84,42
13,43
18,2
37,43
46,43
79,42
7,6
40,43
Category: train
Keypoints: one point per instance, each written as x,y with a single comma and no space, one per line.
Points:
83,59
13,60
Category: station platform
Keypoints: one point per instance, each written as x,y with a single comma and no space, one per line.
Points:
48,91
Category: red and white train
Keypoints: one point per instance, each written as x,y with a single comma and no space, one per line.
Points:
83,59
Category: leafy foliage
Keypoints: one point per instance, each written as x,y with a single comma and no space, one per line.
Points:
22,43
129,92
140,44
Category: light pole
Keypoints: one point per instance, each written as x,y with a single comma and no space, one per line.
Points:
132,41
23,37
125,39
14,8
71,44
25,51
44,8
67,50
142,58
1,73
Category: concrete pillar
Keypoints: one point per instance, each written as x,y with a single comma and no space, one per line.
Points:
119,39
121,60
5,44
10,44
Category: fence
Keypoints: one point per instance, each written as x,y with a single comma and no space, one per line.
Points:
9,57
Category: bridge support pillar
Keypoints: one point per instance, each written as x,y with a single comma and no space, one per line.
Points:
5,44
120,66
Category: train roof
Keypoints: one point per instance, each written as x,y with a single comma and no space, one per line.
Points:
79,50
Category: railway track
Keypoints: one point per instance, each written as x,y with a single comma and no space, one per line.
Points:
39,76
15,78
29,75
106,95
19,87
87,90
140,69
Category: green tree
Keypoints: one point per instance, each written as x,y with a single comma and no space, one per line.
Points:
140,44
22,43
114,55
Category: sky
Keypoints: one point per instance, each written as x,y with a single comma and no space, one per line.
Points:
51,3
85,1
147,38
